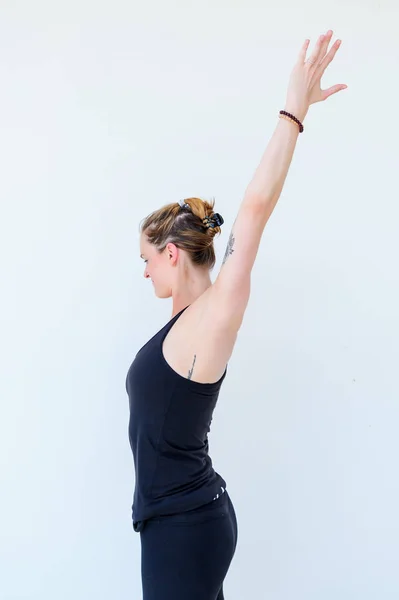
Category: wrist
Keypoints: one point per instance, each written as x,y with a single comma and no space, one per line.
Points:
298,112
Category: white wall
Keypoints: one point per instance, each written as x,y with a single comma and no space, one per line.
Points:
109,110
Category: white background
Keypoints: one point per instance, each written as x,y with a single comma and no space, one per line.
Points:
110,110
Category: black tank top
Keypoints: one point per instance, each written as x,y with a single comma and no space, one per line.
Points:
170,418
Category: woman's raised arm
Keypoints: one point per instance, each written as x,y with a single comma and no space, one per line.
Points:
231,289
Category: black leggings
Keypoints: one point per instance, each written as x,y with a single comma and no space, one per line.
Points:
186,556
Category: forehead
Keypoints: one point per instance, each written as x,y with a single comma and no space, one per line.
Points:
145,246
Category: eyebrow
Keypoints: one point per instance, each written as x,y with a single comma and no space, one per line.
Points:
141,256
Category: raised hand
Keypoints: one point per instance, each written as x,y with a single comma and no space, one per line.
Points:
305,82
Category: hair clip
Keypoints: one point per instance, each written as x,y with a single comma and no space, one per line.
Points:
216,220
184,204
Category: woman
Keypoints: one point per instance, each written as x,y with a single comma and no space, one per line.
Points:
186,520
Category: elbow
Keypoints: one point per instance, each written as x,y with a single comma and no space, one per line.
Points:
261,203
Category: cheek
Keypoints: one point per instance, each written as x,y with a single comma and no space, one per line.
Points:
154,272
157,269
160,281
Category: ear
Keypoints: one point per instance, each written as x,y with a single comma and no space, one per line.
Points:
172,252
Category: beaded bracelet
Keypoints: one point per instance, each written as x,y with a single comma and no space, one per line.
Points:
290,117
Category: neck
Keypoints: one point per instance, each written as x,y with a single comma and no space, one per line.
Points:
190,289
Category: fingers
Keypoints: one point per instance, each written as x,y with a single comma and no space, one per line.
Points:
329,57
325,44
332,90
314,58
302,53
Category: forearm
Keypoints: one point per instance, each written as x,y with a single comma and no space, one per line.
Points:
304,89
268,180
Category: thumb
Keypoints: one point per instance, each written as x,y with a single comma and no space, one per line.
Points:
332,90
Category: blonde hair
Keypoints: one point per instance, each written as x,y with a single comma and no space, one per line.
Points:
185,226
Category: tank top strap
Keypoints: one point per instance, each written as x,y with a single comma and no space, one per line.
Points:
165,330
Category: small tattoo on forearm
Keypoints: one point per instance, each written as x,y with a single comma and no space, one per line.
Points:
229,249
190,373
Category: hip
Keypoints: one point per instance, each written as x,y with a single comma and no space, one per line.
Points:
187,554
219,508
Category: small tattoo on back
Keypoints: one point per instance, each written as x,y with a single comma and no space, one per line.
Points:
190,373
229,249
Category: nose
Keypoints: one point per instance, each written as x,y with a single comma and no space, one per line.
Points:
146,274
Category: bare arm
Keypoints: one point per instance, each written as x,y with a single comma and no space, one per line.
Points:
232,286
265,188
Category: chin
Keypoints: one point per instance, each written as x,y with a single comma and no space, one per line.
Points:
162,293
